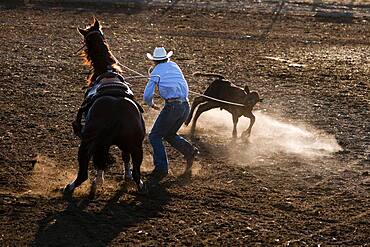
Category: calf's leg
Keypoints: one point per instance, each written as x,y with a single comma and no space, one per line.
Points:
247,132
202,108
196,102
235,123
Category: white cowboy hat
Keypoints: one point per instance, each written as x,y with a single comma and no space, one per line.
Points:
159,53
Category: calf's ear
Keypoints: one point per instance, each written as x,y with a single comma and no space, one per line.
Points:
246,89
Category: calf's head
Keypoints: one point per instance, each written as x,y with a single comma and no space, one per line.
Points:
251,100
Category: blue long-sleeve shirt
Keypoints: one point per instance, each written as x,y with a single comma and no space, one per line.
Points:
170,82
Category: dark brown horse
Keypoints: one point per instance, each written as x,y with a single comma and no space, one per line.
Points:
112,118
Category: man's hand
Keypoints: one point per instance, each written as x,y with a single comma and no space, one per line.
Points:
155,107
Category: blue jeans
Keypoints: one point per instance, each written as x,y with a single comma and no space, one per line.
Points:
168,122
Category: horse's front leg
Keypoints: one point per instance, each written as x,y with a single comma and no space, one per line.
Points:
247,132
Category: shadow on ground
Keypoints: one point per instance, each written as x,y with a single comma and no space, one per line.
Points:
78,227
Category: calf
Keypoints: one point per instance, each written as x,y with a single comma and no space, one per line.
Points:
224,90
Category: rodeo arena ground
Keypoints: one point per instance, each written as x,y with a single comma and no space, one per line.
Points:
301,177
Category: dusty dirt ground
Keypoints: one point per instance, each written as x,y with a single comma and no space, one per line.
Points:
303,179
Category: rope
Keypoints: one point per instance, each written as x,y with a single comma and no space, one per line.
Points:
130,69
196,93
219,100
136,76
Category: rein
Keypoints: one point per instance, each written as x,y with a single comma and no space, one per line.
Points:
87,35
82,47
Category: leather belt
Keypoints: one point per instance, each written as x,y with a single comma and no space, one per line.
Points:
175,100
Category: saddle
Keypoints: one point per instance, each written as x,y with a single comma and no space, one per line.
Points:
107,84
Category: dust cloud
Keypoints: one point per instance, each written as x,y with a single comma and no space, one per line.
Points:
270,135
49,178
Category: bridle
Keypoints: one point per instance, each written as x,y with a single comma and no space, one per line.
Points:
87,35
95,32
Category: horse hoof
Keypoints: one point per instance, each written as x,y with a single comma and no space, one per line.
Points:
67,189
143,189
67,192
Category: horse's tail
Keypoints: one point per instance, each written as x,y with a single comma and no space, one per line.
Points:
208,75
101,139
108,133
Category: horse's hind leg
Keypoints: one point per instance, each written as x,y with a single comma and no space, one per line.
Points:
100,162
137,159
83,162
100,158
126,162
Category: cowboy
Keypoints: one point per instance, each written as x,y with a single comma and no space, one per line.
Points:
173,88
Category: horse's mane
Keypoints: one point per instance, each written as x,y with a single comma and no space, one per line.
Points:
97,55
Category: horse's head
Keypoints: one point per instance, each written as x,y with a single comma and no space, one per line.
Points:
91,30
97,54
